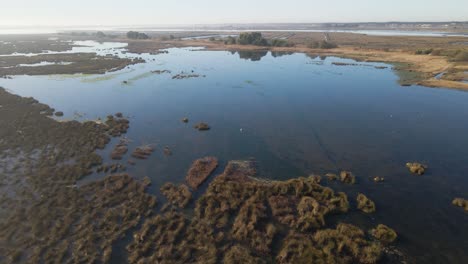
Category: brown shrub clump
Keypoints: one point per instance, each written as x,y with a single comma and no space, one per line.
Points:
460,202
200,170
345,244
119,150
232,224
239,254
365,204
202,126
347,177
384,234
416,168
143,152
117,126
177,195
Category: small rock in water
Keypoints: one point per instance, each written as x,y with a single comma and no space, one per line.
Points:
59,113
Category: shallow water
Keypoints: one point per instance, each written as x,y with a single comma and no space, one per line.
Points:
296,115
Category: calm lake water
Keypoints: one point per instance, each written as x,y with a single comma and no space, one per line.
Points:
296,115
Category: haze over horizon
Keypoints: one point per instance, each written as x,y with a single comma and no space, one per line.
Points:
183,12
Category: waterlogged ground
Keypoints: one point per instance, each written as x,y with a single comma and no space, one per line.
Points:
296,115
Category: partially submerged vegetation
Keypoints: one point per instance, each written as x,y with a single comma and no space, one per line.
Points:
119,150
347,177
202,126
178,196
384,234
416,168
460,202
72,63
200,170
231,223
365,204
45,216
10,44
184,75
143,152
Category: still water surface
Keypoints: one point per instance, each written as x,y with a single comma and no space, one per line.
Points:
295,115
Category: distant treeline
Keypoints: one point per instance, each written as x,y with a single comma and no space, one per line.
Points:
256,39
137,35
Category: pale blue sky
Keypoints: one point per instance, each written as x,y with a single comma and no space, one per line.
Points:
146,12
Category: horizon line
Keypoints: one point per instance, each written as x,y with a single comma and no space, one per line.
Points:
237,23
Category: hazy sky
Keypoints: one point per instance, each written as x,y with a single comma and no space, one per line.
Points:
146,12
